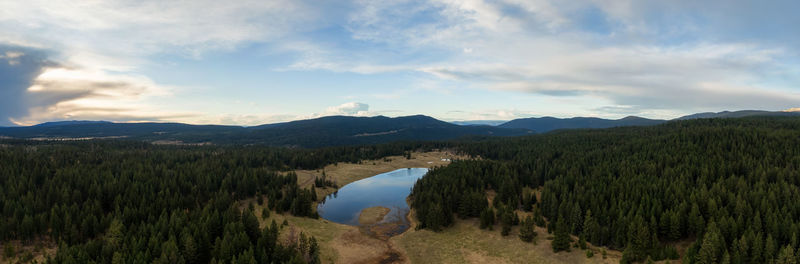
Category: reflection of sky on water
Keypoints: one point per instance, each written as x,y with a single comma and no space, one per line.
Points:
387,189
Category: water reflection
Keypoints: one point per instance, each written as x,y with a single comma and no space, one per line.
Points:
387,189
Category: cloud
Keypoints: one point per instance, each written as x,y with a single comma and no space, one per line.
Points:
652,56
17,73
349,109
37,89
346,109
130,28
66,59
489,114
70,60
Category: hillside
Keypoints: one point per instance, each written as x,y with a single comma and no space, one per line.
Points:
727,186
319,132
737,114
343,130
144,131
546,124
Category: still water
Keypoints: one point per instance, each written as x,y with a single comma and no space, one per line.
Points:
386,189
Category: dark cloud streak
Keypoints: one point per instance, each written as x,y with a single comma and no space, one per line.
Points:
16,76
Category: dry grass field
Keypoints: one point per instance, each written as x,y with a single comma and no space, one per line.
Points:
36,251
344,173
464,242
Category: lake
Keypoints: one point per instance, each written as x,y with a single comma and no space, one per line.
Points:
388,189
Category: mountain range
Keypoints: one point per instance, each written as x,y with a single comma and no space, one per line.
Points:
319,132
336,130
547,124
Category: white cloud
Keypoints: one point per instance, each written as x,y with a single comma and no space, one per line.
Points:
12,57
346,109
349,109
540,48
120,27
96,49
66,94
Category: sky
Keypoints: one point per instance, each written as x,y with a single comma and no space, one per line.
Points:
256,62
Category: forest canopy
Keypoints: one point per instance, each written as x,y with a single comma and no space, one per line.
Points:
110,201
730,185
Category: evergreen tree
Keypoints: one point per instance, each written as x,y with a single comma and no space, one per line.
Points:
189,246
674,227
590,227
526,230
114,234
487,218
264,213
712,246
250,223
561,240
786,256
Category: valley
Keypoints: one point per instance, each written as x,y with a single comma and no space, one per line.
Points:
463,243
685,191
412,132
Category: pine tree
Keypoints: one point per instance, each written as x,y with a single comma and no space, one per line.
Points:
582,241
674,227
506,229
589,227
770,248
664,225
561,240
526,231
757,249
696,222
537,217
8,251
264,213
712,246
250,223
114,234
786,256
640,240
507,220
118,258
313,252
487,218
189,246
170,253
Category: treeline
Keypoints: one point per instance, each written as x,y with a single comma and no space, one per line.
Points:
132,202
729,185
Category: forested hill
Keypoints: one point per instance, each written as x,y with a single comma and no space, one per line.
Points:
546,124
319,132
115,201
728,185
737,114
344,130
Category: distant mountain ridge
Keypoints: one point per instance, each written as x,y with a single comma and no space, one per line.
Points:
337,130
737,114
71,122
347,130
319,132
546,124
